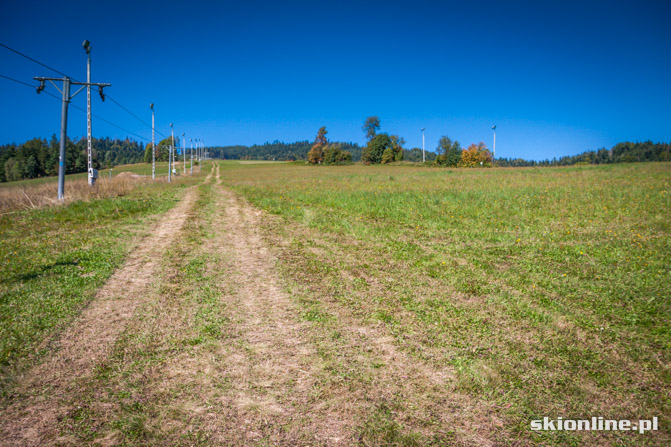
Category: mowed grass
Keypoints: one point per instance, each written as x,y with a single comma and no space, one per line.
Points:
53,259
546,291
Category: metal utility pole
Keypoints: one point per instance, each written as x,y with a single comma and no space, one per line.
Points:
67,82
200,156
184,151
93,174
423,154
494,149
64,136
153,145
172,147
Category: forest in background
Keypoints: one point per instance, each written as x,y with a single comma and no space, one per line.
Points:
39,157
625,152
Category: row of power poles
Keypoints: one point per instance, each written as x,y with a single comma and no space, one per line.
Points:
67,97
200,151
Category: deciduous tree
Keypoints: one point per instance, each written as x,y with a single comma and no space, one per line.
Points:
371,126
334,155
476,155
372,153
450,152
147,153
316,154
397,147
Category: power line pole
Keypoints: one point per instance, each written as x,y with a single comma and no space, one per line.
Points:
93,174
153,145
191,140
172,147
423,155
67,82
184,151
494,148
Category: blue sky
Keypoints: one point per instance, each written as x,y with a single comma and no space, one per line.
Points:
557,78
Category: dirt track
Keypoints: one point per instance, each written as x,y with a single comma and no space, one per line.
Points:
41,396
287,382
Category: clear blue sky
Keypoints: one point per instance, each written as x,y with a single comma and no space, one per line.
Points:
557,78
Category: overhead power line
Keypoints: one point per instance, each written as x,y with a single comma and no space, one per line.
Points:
36,61
29,85
16,80
133,115
63,74
76,107
106,121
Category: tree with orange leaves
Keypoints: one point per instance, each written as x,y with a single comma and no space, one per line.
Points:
476,155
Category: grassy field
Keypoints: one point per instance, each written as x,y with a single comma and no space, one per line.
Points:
422,306
546,291
55,258
140,169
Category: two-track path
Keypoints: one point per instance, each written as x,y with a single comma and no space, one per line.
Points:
269,381
41,397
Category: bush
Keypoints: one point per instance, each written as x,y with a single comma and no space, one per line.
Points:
334,155
387,156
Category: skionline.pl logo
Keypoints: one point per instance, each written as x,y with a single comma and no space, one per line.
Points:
594,424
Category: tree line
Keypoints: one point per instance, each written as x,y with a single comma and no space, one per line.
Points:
626,152
39,157
276,151
384,148
163,150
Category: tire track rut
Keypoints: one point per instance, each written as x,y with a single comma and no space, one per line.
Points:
43,394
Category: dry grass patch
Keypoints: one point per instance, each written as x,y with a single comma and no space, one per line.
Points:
39,195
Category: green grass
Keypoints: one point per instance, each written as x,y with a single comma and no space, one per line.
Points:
139,168
545,290
54,259
542,292
122,398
